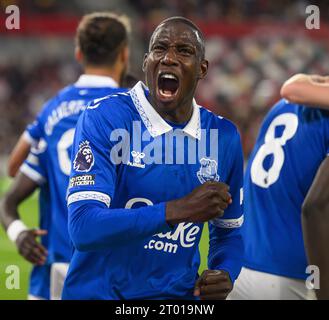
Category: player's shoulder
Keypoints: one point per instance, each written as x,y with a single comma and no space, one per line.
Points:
63,94
280,108
115,108
213,121
304,113
284,105
55,100
67,91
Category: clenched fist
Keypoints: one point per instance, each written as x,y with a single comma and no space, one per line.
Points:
204,203
213,285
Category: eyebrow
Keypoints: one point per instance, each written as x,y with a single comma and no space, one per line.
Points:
178,44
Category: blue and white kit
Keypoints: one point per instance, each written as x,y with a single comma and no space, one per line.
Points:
127,163
292,143
54,130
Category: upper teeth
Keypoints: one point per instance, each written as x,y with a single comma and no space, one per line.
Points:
169,76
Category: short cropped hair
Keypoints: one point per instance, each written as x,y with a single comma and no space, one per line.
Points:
100,36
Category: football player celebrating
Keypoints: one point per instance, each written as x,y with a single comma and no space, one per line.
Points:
287,197
313,90
158,166
102,49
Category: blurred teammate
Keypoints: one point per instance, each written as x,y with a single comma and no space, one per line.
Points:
102,49
288,164
30,137
30,178
313,90
136,225
26,141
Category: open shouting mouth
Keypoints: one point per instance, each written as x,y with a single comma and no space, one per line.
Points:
168,84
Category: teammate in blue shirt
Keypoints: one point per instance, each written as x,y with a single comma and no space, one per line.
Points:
313,90
30,178
148,168
39,286
105,63
292,144
102,48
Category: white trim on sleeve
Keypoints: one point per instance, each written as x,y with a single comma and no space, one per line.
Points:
89,195
32,174
228,223
33,142
32,159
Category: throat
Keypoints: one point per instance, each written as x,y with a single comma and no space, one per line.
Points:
178,114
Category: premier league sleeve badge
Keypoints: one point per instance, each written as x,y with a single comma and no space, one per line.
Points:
84,159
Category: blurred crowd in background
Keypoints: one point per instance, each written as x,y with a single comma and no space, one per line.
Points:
232,10
248,61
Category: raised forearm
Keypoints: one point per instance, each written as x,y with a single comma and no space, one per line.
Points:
309,90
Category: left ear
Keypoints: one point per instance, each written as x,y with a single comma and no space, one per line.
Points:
144,62
203,69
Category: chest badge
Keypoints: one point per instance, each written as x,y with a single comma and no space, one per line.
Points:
208,170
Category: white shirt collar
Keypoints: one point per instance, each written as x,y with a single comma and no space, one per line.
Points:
95,81
154,123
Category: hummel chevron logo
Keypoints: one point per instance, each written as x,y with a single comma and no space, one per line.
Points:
137,159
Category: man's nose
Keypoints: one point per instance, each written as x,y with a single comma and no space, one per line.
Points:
170,57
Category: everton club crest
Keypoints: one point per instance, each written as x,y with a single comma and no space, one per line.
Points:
208,170
84,159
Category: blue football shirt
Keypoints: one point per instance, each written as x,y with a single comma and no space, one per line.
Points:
33,168
292,143
127,162
56,125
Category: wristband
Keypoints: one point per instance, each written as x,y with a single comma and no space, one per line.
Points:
15,228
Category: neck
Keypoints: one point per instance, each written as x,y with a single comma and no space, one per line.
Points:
111,72
180,114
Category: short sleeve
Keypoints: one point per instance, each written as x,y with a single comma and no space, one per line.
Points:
34,166
33,133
